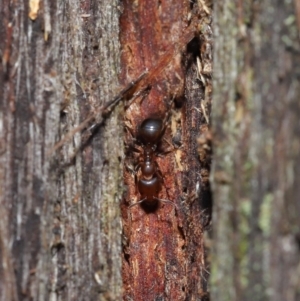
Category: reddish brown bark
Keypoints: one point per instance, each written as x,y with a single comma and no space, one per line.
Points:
163,254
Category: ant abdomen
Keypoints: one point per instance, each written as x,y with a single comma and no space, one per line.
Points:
149,190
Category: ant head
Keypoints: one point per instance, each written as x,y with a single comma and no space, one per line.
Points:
151,130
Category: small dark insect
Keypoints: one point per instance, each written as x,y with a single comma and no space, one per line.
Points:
149,183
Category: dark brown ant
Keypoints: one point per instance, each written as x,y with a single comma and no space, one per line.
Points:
149,183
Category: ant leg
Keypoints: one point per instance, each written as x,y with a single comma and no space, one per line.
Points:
139,202
160,175
128,211
133,145
164,152
167,202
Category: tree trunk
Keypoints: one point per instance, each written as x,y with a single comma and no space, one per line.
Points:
164,254
256,165
61,176
60,221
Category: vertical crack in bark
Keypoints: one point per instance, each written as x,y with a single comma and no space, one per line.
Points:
164,253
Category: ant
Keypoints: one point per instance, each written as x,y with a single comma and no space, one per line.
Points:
150,133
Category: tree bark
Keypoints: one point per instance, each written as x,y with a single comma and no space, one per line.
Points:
164,253
60,221
61,176
256,151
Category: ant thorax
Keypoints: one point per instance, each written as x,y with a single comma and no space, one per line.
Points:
148,168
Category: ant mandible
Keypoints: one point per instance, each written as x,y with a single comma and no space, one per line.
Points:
150,133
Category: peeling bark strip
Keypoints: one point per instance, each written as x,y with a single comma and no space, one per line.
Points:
164,250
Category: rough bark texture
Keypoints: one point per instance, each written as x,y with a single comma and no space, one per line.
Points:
256,151
163,244
59,223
